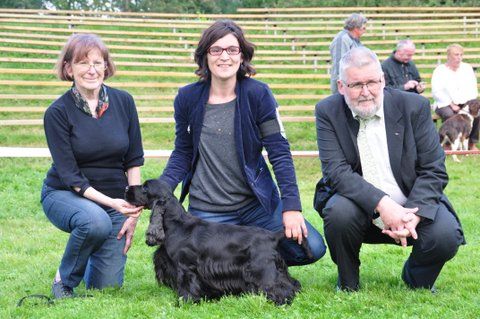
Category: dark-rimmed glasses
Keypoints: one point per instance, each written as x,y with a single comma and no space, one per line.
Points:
216,51
372,85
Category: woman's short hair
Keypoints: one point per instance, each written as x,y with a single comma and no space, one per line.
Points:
213,33
355,20
454,46
77,48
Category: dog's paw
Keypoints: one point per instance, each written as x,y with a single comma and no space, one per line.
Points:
154,238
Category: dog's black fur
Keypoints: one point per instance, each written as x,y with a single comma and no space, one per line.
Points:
456,129
202,260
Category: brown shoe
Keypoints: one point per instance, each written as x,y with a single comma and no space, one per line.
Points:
472,147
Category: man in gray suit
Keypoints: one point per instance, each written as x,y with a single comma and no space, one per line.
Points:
345,40
383,175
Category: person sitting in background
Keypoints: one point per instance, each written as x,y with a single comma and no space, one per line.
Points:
383,175
399,70
348,38
222,124
93,135
453,84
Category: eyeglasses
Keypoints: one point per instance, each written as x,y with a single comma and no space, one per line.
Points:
372,86
85,66
216,51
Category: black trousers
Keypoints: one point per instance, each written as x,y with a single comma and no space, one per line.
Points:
347,226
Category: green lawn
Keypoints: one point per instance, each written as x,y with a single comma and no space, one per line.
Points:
31,249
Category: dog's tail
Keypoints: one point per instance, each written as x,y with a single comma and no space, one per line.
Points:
443,136
305,246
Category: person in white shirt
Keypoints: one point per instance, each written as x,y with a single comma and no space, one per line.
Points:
453,84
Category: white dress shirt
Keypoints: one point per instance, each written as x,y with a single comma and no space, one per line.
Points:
377,142
450,86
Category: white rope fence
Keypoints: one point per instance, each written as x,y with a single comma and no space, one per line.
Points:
26,152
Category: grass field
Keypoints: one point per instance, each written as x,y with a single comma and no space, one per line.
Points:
31,249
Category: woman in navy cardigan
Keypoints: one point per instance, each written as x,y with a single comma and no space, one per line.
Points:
223,122
94,138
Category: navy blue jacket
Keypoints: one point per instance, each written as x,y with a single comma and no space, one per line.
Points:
255,106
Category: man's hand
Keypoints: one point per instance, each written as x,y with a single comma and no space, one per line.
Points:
396,218
411,222
295,226
420,87
128,229
410,85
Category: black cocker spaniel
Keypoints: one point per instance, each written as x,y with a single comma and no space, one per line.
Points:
203,260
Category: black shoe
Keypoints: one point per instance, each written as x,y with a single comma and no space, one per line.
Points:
339,287
60,291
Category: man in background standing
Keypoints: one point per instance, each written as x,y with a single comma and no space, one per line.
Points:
348,38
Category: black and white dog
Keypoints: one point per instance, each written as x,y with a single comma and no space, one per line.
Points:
456,129
203,260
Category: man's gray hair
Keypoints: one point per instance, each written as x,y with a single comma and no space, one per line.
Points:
405,43
358,57
355,20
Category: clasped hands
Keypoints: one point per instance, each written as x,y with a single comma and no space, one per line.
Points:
400,222
412,84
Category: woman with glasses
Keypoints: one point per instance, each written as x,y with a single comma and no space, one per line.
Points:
223,121
93,135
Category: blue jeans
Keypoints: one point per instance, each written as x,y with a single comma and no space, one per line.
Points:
254,214
93,252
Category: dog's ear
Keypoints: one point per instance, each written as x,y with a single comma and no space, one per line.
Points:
474,107
158,189
155,234
306,248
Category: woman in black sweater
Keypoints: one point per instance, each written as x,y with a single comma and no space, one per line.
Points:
94,138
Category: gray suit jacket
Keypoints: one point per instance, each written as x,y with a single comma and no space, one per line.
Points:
416,157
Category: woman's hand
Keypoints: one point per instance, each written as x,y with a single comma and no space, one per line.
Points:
126,208
118,204
295,226
128,229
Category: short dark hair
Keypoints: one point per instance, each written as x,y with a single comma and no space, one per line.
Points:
213,33
77,47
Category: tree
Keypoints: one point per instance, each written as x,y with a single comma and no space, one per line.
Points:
21,4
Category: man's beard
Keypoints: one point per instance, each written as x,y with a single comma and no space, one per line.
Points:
362,111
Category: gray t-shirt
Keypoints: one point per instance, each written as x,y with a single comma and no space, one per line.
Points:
218,184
